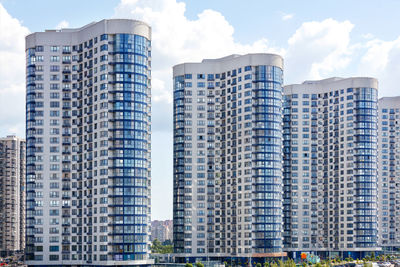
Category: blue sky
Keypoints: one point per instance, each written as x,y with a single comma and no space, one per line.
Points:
318,39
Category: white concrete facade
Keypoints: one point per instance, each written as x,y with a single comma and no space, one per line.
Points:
222,109
12,195
88,145
330,178
389,172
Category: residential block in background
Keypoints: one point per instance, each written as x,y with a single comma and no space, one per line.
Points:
161,230
12,195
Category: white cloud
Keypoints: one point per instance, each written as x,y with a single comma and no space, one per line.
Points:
287,16
177,39
368,36
12,74
317,49
382,60
62,25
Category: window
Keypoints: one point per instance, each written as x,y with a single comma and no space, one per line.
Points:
54,104
66,49
54,212
103,58
104,47
54,68
54,58
54,86
103,37
54,95
54,48
53,257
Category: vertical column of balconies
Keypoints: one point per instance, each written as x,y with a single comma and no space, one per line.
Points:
267,159
88,147
218,210
315,244
222,178
210,165
179,166
365,173
324,164
232,166
394,176
333,141
130,146
393,217
76,152
22,212
287,200
66,153
30,154
3,188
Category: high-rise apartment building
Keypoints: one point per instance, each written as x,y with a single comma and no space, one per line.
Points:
161,230
88,144
389,172
12,195
228,157
330,167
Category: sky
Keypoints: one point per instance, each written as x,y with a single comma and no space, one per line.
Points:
318,39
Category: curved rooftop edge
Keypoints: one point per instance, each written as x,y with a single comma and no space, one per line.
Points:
389,101
226,63
91,30
330,84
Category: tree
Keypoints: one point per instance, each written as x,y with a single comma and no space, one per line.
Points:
199,264
372,255
258,264
188,265
157,247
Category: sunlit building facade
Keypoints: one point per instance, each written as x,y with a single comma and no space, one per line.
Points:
88,129
389,172
330,167
228,158
12,195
